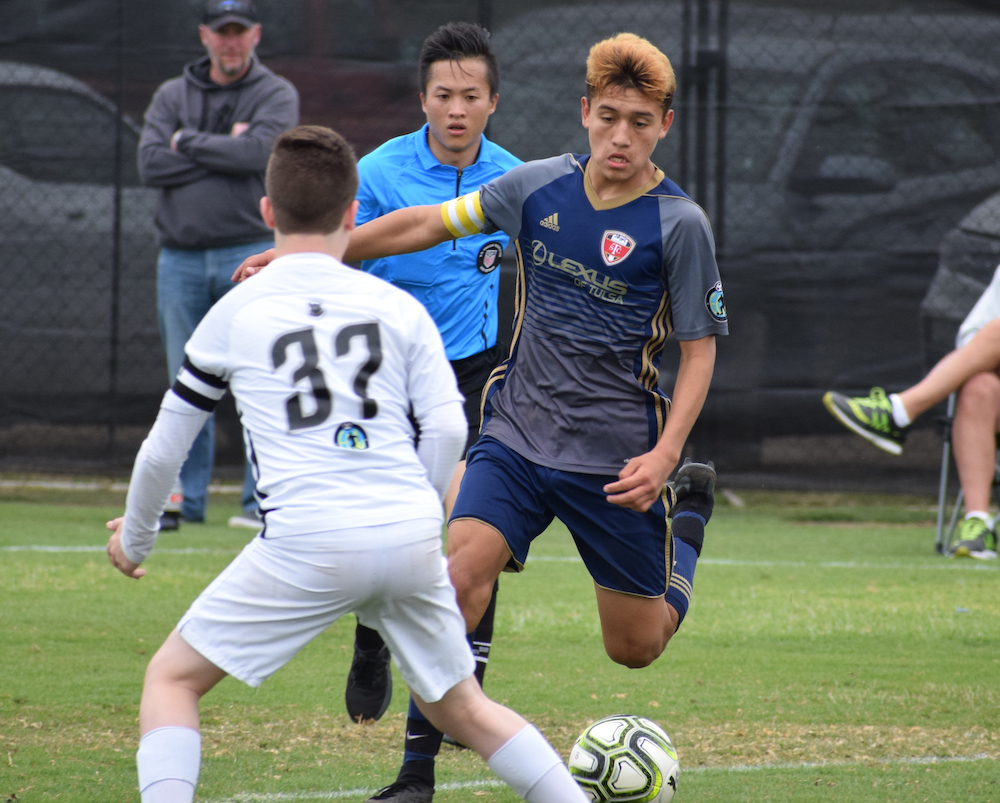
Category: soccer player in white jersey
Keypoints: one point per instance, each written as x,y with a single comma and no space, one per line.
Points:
326,364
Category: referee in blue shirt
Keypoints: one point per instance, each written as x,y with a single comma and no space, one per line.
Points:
458,283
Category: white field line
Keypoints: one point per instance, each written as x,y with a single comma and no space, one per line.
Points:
946,564
733,498
69,485
357,794
190,551
360,794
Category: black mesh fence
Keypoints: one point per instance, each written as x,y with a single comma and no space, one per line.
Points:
847,153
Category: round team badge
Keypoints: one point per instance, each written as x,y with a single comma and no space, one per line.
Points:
489,256
615,246
716,302
350,436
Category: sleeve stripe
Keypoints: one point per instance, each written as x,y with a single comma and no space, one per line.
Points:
194,398
198,385
204,376
463,216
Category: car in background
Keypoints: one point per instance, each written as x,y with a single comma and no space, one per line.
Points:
77,310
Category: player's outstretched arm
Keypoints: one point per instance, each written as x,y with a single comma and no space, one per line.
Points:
641,482
403,231
156,468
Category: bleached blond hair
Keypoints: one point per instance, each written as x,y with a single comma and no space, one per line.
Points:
627,61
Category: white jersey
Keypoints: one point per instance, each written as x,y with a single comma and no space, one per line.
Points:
329,367
986,309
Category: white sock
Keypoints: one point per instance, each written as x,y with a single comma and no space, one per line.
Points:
899,414
169,791
168,762
525,760
553,785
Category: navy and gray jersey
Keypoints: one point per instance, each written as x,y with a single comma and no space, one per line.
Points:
600,287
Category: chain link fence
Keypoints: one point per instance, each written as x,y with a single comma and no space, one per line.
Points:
847,154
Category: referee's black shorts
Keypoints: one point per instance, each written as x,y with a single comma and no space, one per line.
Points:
472,373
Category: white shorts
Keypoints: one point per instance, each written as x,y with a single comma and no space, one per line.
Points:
279,594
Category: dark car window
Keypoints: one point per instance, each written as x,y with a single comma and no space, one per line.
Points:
58,136
912,119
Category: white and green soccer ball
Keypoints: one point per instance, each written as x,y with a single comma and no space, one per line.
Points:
625,759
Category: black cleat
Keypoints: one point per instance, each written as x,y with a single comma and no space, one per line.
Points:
170,521
369,686
693,492
694,487
411,790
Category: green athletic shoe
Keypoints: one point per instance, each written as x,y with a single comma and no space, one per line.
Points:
870,417
975,540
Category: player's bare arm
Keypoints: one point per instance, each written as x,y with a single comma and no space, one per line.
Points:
117,555
400,232
403,231
641,481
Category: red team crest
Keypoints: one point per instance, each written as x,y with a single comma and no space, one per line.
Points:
615,246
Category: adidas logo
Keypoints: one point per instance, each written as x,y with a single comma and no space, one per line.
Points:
551,222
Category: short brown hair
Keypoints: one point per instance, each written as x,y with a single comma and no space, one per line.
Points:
627,61
312,177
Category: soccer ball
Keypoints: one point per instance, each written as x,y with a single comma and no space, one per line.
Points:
623,759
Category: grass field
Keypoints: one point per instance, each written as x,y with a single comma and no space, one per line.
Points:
828,655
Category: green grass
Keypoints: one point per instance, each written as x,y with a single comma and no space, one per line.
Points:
828,655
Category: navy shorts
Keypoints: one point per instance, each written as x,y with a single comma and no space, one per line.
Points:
623,550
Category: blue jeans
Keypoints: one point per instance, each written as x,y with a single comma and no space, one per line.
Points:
188,283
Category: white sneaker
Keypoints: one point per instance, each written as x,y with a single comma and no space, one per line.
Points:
251,520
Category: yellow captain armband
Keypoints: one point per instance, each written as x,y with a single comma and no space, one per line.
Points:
463,216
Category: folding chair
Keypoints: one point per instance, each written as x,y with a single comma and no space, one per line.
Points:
943,538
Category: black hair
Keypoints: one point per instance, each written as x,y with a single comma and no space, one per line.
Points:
454,42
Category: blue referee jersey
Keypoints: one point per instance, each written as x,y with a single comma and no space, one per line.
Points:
456,281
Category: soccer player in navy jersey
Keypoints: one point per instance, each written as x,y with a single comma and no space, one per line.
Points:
612,257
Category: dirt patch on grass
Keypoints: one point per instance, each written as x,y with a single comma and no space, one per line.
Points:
731,744
292,735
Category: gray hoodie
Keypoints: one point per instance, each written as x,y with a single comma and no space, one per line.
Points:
211,186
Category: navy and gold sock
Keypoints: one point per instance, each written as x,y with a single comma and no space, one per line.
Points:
682,578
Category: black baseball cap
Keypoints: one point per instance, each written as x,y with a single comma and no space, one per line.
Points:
221,12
